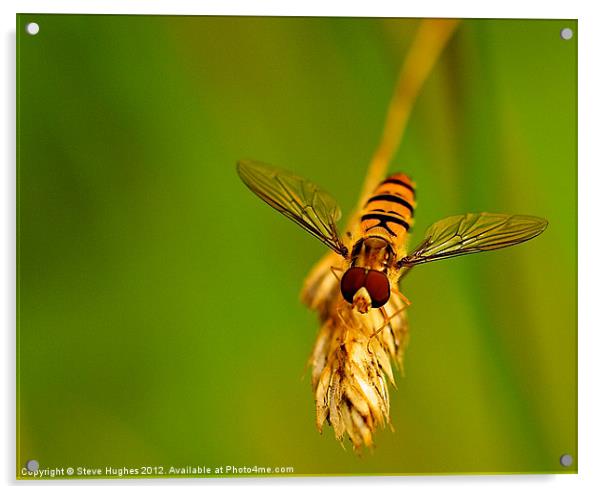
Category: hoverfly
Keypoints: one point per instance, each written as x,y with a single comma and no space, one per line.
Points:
375,253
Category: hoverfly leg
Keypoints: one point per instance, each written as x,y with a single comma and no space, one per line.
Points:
333,269
346,324
387,319
402,296
340,307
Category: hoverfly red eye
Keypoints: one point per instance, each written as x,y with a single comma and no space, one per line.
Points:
377,285
352,281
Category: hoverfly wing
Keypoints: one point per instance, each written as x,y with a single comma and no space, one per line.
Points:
296,198
473,232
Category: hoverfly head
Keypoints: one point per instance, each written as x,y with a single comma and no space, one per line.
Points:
365,288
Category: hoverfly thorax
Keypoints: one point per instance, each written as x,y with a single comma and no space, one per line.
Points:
365,284
372,253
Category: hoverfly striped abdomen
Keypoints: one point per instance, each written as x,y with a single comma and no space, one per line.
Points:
389,212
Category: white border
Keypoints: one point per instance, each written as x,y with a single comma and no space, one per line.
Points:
590,222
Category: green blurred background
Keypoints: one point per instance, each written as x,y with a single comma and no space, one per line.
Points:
158,313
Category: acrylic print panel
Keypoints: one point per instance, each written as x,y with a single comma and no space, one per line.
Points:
160,327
